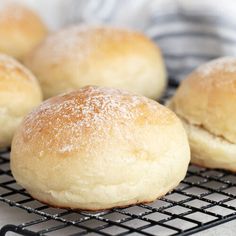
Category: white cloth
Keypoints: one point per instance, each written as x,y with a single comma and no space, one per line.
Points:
189,32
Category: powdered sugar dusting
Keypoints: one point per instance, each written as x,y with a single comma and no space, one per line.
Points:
62,123
10,64
78,42
227,64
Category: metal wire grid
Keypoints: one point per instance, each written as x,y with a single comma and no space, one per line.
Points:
204,199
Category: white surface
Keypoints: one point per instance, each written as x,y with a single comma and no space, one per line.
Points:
13,215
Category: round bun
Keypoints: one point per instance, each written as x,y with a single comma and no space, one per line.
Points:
20,29
81,55
206,101
19,93
98,148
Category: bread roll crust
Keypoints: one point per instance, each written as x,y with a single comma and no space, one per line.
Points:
205,101
98,148
209,150
20,30
84,55
19,93
207,97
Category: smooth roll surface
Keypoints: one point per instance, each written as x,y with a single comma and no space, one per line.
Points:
19,93
103,56
99,148
20,29
206,103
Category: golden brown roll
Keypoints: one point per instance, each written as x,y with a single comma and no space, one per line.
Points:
98,148
206,101
19,93
20,29
103,56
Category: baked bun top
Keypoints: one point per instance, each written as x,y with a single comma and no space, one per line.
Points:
19,89
207,97
19,94
98,148
85,120
84,55
20,29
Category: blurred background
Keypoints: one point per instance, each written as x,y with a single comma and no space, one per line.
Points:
189,32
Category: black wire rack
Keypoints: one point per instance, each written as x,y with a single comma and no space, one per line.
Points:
204,199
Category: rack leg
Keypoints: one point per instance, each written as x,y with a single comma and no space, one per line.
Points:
13,228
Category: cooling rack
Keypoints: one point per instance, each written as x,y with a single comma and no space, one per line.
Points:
204,199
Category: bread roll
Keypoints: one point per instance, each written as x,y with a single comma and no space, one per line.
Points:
19,93
20,29
98,148
103,56
206,102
